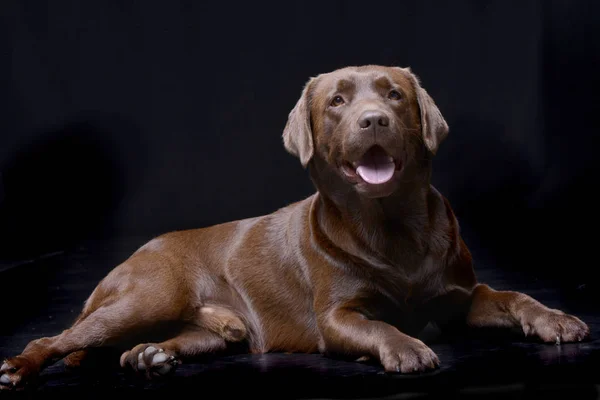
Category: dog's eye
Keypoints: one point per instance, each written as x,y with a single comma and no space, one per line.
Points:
394,95
337,101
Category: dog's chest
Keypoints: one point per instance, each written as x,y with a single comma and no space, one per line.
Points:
409,286
402,298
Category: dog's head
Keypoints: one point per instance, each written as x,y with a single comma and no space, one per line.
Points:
371,125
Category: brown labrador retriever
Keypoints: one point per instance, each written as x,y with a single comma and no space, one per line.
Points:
357,269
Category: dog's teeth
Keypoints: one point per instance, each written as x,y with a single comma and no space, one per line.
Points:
4,379
150,349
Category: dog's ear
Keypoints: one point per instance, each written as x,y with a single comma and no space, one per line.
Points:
434,127
297,134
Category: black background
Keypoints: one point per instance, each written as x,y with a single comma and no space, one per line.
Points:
123,119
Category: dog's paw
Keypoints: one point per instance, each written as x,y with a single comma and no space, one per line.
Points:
16,372
150,360
554,326
408,356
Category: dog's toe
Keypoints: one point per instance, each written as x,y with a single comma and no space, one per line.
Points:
150,360
15,373
409,357
554,326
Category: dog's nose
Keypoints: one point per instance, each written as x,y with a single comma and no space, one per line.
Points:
373,117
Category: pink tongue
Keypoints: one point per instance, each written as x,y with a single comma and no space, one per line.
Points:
376,166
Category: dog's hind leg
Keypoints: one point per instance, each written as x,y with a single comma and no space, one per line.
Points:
94,358
103,327
76,359
86,358
158,359
107,320
89,357
213,327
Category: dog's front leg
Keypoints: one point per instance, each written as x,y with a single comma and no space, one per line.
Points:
491,308
346,331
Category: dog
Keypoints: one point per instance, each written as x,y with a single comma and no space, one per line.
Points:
356,270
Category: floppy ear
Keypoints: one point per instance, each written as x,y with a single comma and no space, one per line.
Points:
434,127
297,134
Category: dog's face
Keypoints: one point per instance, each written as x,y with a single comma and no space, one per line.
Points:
371,125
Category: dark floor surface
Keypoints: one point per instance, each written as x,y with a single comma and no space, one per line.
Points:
43,296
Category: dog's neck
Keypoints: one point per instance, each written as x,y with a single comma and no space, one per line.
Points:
380,224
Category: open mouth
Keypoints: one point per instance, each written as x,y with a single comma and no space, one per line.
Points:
375,167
